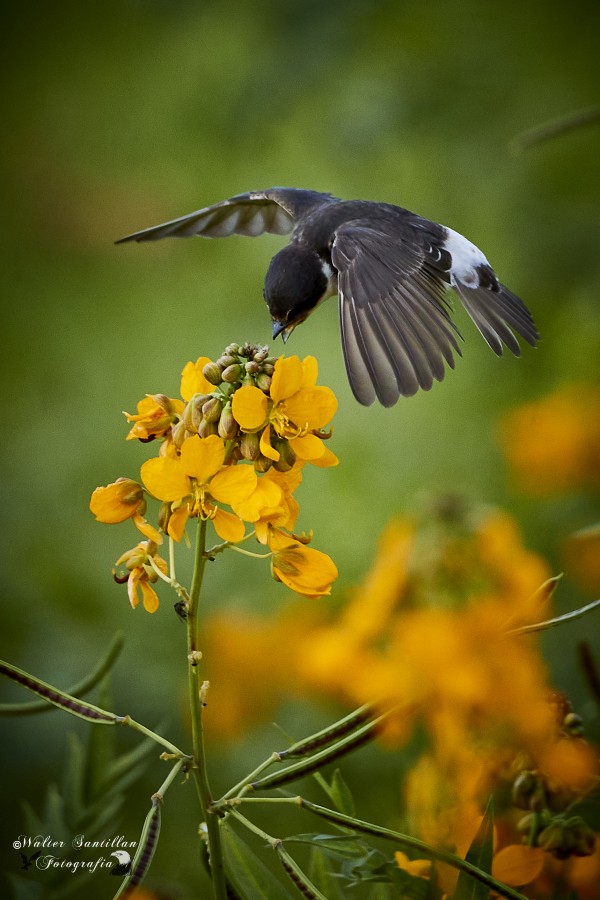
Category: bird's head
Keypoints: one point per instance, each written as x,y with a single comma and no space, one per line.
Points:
122,856
295,283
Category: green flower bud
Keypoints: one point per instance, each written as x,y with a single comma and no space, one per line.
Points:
228,427
261,354
252,367
232,350
262,463
287,457
250,446
263,382
212,372
232,373
524,787
226,360
584,839
205,429
268,368
164,514
211,410
179,432
573,725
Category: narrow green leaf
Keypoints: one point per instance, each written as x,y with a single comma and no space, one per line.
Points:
321,875
338,846
479,854
340,795
250,877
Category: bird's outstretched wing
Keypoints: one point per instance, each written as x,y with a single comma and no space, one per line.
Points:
251,214
396,332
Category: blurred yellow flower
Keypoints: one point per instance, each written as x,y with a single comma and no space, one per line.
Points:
296,412
142,574
194,480
553,445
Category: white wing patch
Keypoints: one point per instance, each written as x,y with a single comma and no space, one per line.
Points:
466,258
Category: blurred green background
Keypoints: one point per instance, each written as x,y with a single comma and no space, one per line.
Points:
122,114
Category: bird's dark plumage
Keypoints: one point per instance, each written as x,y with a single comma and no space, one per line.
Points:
390,269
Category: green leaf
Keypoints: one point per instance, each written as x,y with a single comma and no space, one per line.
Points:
321,875
340,795
250,877
479,854
339,846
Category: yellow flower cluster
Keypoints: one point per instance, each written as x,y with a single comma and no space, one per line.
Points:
231,451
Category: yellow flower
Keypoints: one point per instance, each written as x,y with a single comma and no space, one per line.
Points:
296,412
141,574
306,571
193,380
122,500
155,415
553,444
195,479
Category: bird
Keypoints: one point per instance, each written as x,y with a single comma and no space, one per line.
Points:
28,861
123,864
390,268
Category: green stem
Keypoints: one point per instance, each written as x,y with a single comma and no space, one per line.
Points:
195,691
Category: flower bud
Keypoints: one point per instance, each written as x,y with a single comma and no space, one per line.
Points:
573,725
226,360
524,787
262,463
268,368
205,429
250,446
261,354
252,367
263,382
287,457
164,514
232,373
179,432
552,837
228,427
584,839
211,410
212,373
232,349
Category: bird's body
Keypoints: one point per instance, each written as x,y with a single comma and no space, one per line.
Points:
390,269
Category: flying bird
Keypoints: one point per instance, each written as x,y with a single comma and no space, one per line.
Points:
390,269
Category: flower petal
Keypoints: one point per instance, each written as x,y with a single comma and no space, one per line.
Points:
249,407
287,378
306,571
265,496
193,381
311,407
233,484
147,529
309,447
517,864
178,521
326,460
265,445
149,597
201,458
228,527
164,478
310,372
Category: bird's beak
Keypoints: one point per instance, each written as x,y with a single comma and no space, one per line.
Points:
280,328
